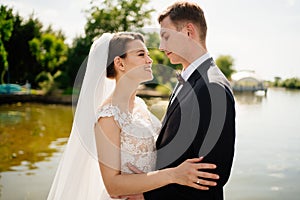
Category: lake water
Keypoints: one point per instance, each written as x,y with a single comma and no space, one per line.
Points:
266,164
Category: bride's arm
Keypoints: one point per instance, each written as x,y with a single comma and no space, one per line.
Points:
108,146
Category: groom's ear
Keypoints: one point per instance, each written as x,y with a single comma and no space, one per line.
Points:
191,31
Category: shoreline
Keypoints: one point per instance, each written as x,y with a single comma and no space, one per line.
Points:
62,99
36,98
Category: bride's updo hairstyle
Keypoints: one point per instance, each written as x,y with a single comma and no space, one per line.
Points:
118,47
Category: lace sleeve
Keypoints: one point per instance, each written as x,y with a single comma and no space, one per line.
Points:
110,111
106,111
121,118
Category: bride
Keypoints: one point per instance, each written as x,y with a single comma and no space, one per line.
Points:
113,130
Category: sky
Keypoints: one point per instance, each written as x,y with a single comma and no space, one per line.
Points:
260,35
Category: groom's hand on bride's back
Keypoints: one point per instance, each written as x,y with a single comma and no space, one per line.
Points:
189,173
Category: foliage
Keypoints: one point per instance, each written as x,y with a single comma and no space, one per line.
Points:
34,52
77,54
152,40
108,16
58,34
277,81
292,83
61,79
225,63
116,16
45,81
163,70
158,56
50,51
22,64
48,82
6,24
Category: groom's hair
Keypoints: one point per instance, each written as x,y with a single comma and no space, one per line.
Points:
182,12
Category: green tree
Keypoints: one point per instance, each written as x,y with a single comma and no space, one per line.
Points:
152,40
51,52
225,63
116,15
277,81
22,64
6,28
163,71
292,83
58,34
108,16
76,56
158,56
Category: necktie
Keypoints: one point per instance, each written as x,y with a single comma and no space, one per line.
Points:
181,81
179,78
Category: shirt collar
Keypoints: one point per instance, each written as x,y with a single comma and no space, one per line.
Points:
193,66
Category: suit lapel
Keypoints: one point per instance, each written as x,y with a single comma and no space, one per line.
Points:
187,88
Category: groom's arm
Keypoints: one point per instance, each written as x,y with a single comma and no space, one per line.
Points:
221,103
202,176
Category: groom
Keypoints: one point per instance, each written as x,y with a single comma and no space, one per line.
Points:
200,119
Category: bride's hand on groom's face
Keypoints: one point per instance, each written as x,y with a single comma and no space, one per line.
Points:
189,173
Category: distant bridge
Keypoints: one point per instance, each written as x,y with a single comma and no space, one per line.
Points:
247,81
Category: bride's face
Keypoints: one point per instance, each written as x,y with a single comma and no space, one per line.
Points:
137,63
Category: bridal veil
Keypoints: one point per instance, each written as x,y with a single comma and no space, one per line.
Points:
78,175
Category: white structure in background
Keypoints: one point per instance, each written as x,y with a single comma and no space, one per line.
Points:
247,80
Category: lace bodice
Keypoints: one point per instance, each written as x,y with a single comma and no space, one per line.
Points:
139,131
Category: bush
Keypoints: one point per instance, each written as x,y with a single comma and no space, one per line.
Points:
62,80
292,83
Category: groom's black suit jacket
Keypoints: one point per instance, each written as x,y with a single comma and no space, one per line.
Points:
200,122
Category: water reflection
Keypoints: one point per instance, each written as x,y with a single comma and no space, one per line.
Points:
26,131
11,117
249,97
266,163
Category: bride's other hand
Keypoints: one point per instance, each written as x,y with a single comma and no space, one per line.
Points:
134,169
187,173
130,197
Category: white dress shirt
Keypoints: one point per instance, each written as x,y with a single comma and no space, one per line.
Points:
186,73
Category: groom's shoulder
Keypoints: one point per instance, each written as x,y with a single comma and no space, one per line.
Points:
209,75
214,79
215,76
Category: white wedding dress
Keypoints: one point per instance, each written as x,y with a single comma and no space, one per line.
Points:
78,175
139,131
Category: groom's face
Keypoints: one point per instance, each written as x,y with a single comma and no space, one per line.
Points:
173,42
